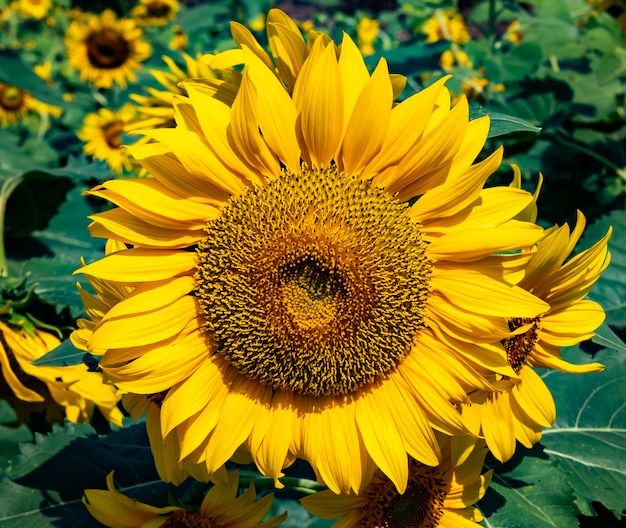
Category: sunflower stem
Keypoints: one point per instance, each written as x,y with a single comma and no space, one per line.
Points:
301,485
8,186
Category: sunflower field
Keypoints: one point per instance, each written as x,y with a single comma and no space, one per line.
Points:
312,263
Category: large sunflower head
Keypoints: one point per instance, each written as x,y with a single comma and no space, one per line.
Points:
102,133
435,496
318,269
155,12
105,49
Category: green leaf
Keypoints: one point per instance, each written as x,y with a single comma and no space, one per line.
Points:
14,72
10,434
297,516
205,16
501,124
607,338
521,61
64,355
529,490
610,290
34,202
589,435
43,485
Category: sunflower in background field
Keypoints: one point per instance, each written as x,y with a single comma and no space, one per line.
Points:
367,31
295,300
102,132
16,104
105,49
446,25
155,12
71,392
32,8
524,405
221,507
213,72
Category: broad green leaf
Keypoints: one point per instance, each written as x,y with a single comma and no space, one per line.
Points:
10,434
297,516
521,61
610,290
43,485
608,339
203,17
589,435
529,490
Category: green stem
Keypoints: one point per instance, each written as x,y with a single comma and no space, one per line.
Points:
8,186
492,19
589,152
301,485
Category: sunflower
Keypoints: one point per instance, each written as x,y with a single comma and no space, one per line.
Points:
367,31
155,12
155,110
105,49
102,133
221,507
71,392
32,8
16,104
525,405
446,25
435,496
308,284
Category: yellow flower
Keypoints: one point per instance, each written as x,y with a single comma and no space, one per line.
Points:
105,49
452,58
367,32
102,133
446,25
155,12
16,104
290,299
221,507
526,405
474,87
513,32
71,392
32,8
179,39
435,496
156,110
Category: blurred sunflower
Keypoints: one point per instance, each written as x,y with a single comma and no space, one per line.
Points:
32,8
367,31
526,405
156,109
105,49
102,133
435,496
446,25
155,12
16,104
71,392
221,507
290,299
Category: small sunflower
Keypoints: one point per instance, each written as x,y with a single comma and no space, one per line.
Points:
105,49
102,133
32,8
221,507
318,271
155,12
16,104
446,25
156,109
435,496
71,392
367,31
526,406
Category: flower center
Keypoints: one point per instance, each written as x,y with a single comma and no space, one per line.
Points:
185,519
107,49
519,347
316,283
158,9
11,97
421,505
113,134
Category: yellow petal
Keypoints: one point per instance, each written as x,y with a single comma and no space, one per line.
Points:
287,45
